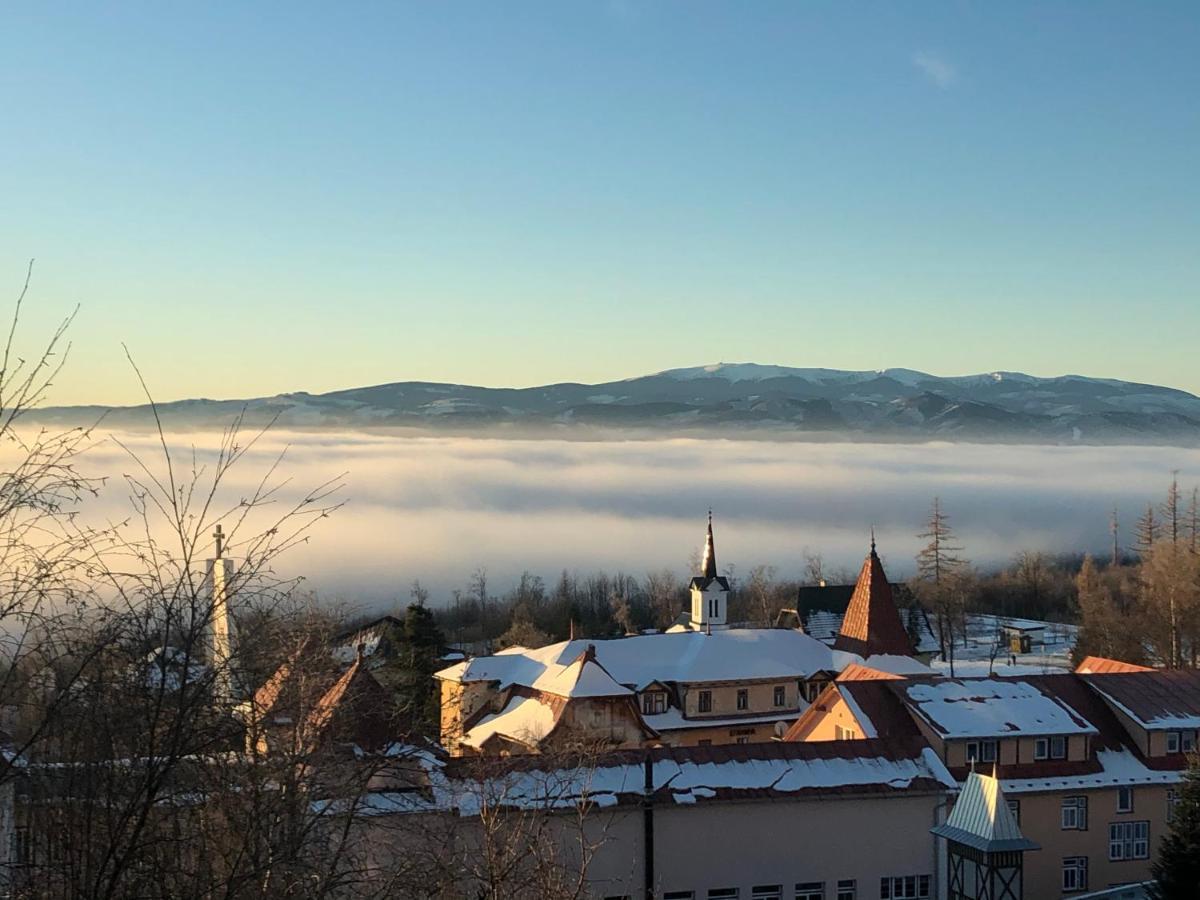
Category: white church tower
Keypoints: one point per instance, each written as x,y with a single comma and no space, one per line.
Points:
710,591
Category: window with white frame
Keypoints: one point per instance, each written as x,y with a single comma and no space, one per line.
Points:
844,734
1074,814
704,701
1058,747
780,695
1014,807
654,703
1041,748
1128,840
1173,741
982,751
1124,799
847,889
766,892
904,887
1074,873
743,698
1181,741
810,890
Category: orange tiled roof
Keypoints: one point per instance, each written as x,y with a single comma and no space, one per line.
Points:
1102,665
872,622
858,672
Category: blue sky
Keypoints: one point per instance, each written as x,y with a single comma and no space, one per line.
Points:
269,197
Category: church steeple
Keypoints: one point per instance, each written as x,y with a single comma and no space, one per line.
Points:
710,592
708,568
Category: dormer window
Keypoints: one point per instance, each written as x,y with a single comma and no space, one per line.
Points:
743,699
654,703
1058,747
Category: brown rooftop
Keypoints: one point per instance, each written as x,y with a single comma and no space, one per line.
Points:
872,623
1159,698
1102,665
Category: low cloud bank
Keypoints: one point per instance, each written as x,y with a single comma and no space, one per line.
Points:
438,508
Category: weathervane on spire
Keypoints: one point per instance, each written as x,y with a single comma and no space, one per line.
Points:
872,538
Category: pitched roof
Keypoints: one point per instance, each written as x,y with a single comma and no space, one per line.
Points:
872,623
355,709
859,672
990,707
735,654
981,819
584,677
1159,699
1102,665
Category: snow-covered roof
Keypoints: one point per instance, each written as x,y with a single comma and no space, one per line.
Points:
525,719
673,720
897,665
990,707
687,775
582,678
736,654
1119,767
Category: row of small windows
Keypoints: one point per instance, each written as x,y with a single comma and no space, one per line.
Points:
899,887
1074,813
1043,748
704,699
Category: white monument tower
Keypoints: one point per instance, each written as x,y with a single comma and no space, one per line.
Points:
220,651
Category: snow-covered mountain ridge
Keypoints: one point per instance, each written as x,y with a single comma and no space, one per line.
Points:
730,399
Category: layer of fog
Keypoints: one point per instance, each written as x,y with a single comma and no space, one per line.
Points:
439,508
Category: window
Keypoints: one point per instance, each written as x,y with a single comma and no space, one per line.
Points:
654,703
1014,807
767,892
1172,741
1074,814
981,751
1187,741
20,848
1172,803
743,699
678,895
904,887
705,701
742,740
1058,747
810,890
779,695
844,734
722,893
1074,873
1124,799
847,889
1128,840
1041,748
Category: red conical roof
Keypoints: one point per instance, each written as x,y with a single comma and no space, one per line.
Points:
872,623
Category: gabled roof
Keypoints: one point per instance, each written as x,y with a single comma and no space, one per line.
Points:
1160,699
860,672
990,707
1102,665
356,709
872,623
981,819
584,677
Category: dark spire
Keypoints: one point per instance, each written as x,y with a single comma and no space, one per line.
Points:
708,568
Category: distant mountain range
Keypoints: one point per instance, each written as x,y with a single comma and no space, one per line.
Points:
741,399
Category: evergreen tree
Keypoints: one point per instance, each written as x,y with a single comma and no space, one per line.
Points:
1176,871
422,658
1193,519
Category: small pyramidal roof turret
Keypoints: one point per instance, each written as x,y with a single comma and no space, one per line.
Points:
872,623
981,818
